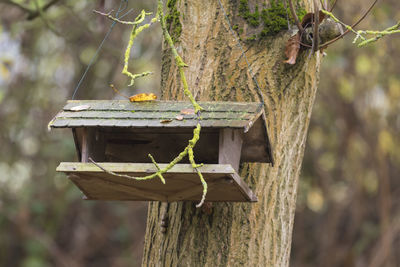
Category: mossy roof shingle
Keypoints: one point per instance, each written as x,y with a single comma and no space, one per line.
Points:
123,113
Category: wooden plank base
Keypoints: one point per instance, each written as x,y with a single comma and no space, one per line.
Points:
182,182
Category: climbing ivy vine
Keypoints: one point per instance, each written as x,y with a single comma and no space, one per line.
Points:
137,29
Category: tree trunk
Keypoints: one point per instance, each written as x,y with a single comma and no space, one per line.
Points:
236,234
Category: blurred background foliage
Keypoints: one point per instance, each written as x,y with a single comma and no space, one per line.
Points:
348,211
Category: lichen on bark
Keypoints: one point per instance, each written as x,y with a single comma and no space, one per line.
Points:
173,20
239,234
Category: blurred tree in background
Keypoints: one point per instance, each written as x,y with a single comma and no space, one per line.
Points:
348,209
349,197
43,220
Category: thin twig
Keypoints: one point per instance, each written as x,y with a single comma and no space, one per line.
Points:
344,24
380,34
301,37
333,6
324,4
294,15
118,92
138,20
188,150
323,46
178,59
316,22
305,45
123,175
136,29
179,62
120,9
176,160
158,168
196,132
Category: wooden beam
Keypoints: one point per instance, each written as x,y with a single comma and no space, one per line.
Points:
85,145
244,188
93,145
182,182
192,191
230,147
77,145
255,148
135,146
142,168
115,187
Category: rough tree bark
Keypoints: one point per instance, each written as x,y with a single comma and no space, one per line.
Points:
237,234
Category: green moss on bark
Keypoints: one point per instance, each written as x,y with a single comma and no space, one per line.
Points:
273,18
173,20
244,11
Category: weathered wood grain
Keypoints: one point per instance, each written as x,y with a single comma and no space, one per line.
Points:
242,234
230,146
182,182
126,105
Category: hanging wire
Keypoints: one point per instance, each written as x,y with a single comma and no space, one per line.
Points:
260,94
120,9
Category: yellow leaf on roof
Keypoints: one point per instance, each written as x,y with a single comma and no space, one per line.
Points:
143,97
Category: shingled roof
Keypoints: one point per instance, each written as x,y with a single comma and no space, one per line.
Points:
163,114
123,113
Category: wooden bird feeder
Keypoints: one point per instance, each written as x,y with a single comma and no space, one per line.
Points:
118,135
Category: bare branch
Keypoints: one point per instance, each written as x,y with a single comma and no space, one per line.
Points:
324,4
316,23
137,21
352,26
333,6
380,34
294,15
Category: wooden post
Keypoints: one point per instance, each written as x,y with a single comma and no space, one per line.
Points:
230,147
93,145
85,145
